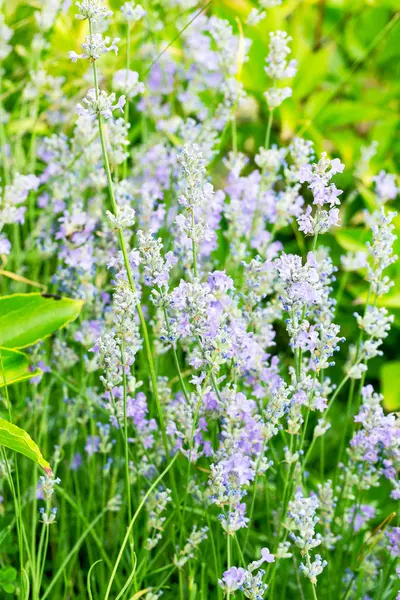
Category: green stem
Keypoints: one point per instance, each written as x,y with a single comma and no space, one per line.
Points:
126,453
234,136
194,249
45,546
17,508
269,128
128,64
15,494
3,143
72,552
228,550
131,524
128,269
96,539
177,365
178,35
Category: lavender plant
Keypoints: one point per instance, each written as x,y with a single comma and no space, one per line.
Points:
213,422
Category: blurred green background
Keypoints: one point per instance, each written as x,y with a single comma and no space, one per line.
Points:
346,91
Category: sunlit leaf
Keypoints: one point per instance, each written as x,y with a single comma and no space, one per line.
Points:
28,318
391,385
15,367
352,239
140,594
17,439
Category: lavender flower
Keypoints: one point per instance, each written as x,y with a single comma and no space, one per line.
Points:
103,105
190,548
127,81
380,251
318,177
132,12
94,47
245,580
277,65
386,188
375,445
5,36
93,10
13,196
232,579
279,68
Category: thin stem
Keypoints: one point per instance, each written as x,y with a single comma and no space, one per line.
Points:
128,269
234,136
312,584
17,508
228,550
86,523
178,368
269,128
178,35
16,494
72,552
45,546
3,143
126,453
131,524
194,248
253,501
128,64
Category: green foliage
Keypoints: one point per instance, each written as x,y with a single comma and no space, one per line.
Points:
390,376
8,576
27,318
15,367
17,439
352,239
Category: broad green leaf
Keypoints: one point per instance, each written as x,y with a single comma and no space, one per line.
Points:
27,318
391,385
17,439
15,367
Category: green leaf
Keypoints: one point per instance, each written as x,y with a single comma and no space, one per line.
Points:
352,239
4,532
29,124
346,112
15,367
368,196
8,587
391,385
27,318
8,575
17,439
354,45
360,293
312,71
